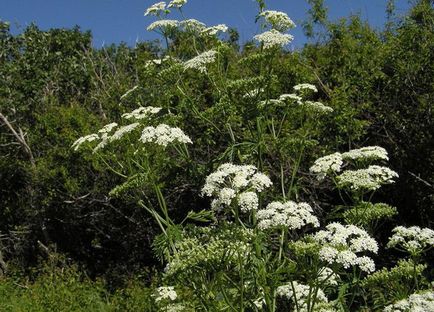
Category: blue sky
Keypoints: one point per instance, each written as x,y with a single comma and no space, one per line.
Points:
113,21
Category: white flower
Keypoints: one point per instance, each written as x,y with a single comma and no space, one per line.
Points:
326,164
248,201
123,130
163,135
328,277
259,303
273,38
108,128
163,24
316,106
305,86
291,96
165,292
366,264
156,8
371,178
413,239
199,62
302,294
270,102
159,61
278,20
418,302
243,181
260,181
341,243
289,214
104,141
176,3
88,138
142,112
226,195
367,152
193,25
214,30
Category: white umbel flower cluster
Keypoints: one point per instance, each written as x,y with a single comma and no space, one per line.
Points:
317,107
214,30
156,9
142,112
165,293
248,201
235,184
305,86
290,96
310,106
159,61
273,38
327,164
366,153
164,135
87,138
289,215
199,62
104,135
108,128
302,294
421,302
278,20
328,277
342,243
176,4
412,239
163,25
122,131
192,25
371,178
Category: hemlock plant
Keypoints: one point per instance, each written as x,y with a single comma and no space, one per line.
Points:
258,246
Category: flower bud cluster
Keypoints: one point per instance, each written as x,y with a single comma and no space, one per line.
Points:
207,249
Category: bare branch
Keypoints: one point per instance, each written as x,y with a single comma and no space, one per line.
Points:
20,138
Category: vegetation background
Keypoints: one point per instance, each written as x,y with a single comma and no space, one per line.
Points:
58,226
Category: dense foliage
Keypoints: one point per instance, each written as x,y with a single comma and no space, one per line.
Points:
121,201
